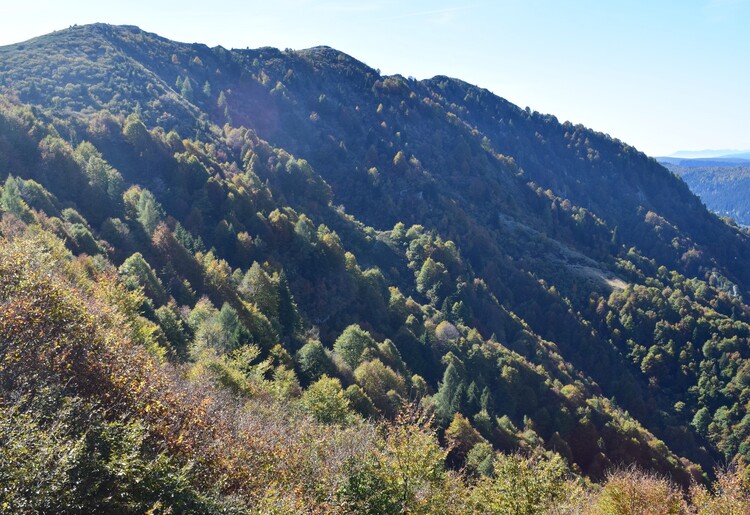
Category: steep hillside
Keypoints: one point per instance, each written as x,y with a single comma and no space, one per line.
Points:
296,228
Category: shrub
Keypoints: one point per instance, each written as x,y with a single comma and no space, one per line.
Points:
634,492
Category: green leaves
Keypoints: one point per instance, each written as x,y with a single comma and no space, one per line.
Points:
524,486
59,454
150,212
404,473
11,201
326,402
352,343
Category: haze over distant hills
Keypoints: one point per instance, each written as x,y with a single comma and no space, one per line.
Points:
237,276
719,162
702,154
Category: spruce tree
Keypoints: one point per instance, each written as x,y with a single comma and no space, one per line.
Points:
449,397
187,89
11,198
288,315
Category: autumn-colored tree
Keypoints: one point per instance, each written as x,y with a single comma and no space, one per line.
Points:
525,486
381,384
632,492
461,438
405,473
326,402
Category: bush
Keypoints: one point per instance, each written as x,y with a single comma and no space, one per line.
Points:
634,492
404,473
731,494
60,455
523,485
326,402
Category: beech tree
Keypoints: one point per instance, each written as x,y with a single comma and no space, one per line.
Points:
352,343
326,402
313,361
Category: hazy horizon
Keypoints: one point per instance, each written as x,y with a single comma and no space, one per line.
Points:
703,153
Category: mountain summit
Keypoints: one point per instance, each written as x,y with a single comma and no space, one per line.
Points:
302,240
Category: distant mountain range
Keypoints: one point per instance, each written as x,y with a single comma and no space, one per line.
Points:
703,154
703,162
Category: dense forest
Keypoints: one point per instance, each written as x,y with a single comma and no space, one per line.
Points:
279,282
723,186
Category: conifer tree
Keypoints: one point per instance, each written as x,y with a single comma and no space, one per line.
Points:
187,89
289,317
11,198
150,213
449,397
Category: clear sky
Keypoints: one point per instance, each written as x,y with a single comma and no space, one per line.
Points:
662,75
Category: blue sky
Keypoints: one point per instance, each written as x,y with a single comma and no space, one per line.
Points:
662,75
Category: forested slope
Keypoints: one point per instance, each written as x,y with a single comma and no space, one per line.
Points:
722,187
289,238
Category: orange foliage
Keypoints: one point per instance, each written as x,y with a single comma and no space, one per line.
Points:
57,327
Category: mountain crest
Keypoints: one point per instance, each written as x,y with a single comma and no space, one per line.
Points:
241,243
